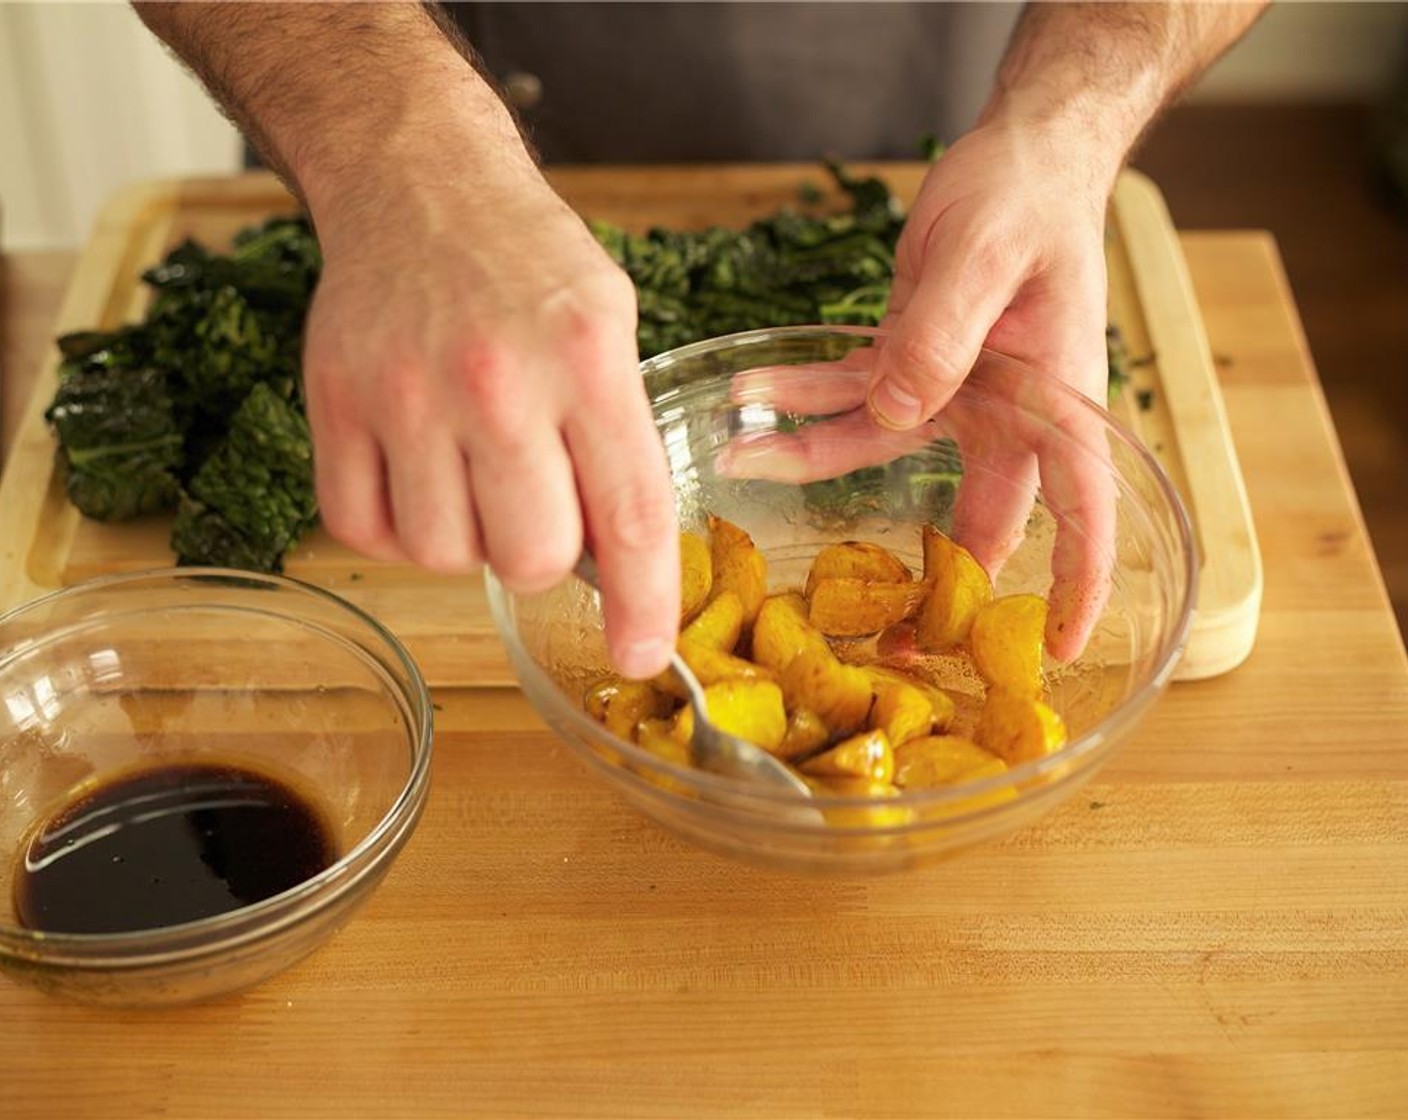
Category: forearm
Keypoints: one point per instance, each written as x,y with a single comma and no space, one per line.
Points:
1099,73
333,95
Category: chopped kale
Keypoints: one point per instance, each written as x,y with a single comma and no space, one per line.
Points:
119,446
198,407
788,268
253,496
200,394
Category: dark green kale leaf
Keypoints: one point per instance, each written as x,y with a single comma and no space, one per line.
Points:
199,401
222,323
216,345
201,536
124,348
272,265
237,345
874,208
789,267
119,444
253,496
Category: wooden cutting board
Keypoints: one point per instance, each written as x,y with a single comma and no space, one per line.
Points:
1173,403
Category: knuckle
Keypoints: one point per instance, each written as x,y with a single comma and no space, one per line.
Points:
998,255
481,358
616,290
538,565
495,394
439,553
361,534
402,396
638,517
585,334
924,355
590,329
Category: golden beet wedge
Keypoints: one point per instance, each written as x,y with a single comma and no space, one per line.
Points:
877,815
738,566
710,666
599,695
1006,643
1018,728
940,702
718,625
934,761
696,575
806,734
944,761
867,755
623,706
839,694
657,736
846,607
781,631
751,710
903,711
958,586
857,560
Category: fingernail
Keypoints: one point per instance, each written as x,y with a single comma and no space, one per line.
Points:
893,408
641,660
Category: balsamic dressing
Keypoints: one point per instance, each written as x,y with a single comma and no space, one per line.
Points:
162,846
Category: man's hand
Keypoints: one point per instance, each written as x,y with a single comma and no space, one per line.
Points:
1004,248
470,360
473,393
1005,243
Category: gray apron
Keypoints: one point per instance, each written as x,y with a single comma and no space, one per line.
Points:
683,82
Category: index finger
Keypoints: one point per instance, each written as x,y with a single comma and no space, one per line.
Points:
628,506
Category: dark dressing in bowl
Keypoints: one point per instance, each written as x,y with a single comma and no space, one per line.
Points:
166,845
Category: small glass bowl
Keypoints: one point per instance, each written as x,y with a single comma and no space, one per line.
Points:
1010,440
200,665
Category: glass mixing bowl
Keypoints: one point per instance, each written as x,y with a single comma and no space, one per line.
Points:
768,429
198,666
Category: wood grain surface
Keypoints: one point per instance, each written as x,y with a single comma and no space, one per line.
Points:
31,287
1215,927
1173,404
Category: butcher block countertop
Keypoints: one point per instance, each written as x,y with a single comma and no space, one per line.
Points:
1216,926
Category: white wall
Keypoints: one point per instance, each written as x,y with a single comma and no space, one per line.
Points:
1306,50
89,100
1313,51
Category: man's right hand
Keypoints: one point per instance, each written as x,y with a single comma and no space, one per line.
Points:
470,361
473,392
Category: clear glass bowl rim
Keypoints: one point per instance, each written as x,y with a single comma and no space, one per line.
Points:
138,948
1079,749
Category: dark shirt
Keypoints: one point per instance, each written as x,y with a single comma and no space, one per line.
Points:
661,82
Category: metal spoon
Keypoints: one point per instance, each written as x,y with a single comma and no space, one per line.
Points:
711,748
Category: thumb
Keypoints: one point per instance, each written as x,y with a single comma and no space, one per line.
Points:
938,328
